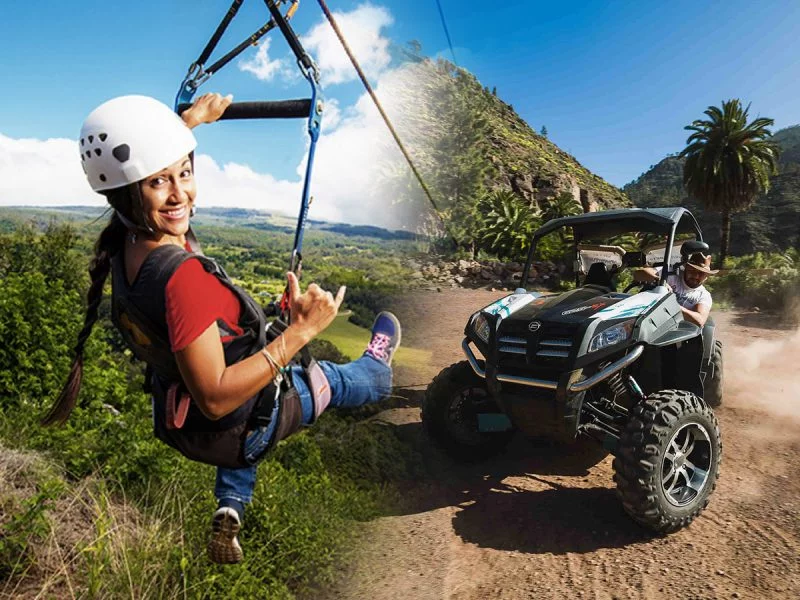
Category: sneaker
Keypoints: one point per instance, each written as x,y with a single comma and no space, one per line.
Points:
224,548
385,338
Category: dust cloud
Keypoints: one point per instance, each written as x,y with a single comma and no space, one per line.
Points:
765,374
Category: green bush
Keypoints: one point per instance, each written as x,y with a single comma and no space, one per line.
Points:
325,350
742,285
307,495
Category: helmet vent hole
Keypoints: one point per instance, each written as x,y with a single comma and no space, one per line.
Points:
97,151
122,152
83,141
88,154
91,139
102,177
103,137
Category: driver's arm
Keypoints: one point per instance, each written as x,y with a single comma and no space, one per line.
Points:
698,315
645,275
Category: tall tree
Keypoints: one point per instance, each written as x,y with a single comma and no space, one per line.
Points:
728,162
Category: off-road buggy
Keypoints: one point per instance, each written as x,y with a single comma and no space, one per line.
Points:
623,368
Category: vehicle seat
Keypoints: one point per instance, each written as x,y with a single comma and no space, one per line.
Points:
599,275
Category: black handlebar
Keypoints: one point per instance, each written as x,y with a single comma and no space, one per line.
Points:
279,109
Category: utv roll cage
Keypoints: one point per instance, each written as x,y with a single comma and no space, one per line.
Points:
608,223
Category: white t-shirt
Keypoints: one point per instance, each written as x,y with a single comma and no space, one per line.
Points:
686,296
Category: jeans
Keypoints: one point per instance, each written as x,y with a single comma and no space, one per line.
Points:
357,383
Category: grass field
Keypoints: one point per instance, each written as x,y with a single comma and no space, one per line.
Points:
352,339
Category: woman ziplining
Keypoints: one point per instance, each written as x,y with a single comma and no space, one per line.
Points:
225,384
222,393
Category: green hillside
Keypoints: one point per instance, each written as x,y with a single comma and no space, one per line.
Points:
467,142
773,223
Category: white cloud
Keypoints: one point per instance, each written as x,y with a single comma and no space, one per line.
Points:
332,115
351,159
362,30
237,185
43,172
353,153
260,65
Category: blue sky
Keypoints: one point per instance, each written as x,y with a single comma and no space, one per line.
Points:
614,82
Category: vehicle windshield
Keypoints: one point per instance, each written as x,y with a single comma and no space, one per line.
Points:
621,255
614,259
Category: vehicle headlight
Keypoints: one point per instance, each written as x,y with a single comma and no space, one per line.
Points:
481,328
613,335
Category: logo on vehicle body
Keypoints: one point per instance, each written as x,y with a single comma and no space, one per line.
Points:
572,311
534,326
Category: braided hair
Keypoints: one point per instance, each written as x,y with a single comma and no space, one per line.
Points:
109,243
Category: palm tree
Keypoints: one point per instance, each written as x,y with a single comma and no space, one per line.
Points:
728,162
563,205
508,224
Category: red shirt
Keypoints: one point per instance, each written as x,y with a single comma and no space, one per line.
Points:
194,300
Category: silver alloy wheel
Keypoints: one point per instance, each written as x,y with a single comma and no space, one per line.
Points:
686,464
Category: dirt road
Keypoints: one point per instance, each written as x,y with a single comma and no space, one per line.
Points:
537,524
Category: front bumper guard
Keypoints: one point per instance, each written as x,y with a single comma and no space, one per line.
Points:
575,387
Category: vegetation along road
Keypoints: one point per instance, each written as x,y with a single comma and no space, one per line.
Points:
536,523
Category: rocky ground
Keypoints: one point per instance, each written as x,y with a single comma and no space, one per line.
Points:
536,523
431,274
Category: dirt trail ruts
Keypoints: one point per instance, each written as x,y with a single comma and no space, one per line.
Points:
535,523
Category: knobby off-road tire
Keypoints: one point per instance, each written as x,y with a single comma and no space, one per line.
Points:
712,386
668,460
449,414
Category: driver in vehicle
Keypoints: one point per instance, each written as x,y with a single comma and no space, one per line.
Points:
687,283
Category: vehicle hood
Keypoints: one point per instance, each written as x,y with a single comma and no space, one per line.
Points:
570,307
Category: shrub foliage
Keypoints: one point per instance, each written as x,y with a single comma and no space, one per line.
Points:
308,492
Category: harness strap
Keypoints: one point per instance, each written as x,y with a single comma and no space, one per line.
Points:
320,388
176,414
198,73
291,37
212,43
251,41
191,238
290,417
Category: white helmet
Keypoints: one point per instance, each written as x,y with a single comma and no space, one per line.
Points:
129,138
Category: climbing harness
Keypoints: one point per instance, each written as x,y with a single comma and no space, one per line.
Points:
309,108
139,312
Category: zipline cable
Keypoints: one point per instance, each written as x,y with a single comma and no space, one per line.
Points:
446,32
386,119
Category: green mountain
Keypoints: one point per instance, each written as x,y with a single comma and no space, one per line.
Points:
467,141
773,223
